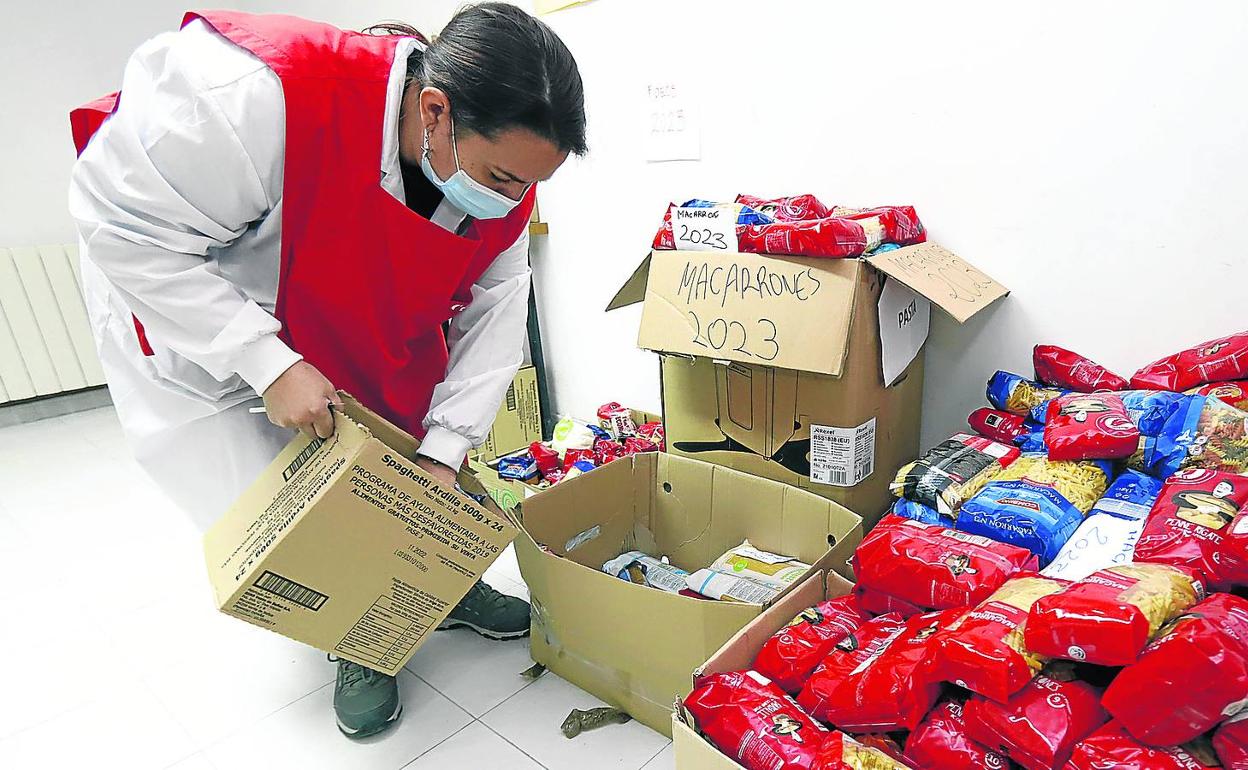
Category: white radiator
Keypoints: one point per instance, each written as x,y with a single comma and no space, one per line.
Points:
45,338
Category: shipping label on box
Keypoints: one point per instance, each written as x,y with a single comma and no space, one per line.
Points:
347,545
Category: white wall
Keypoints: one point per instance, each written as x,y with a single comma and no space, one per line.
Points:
1090,155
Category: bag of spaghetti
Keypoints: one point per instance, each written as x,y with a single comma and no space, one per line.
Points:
1108,618
747,574
1188,524
952,471
984,650
1202,432
1036,503
1018,395
934,567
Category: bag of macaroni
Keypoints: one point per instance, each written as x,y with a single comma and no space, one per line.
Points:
877,678
1189,521
1108,618
1230,741
788,657
1193,676
1039,726
1113,748
934,567
1089,426
984,650
1018,395
754,722
1062,368
940,742
1213,361
841,752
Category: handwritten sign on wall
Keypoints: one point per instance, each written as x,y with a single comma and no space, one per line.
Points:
672,129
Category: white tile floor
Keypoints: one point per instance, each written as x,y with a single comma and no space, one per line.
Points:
113,655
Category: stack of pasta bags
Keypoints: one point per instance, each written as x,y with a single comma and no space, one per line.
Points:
1063,589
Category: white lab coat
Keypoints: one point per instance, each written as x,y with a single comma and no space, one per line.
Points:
178,201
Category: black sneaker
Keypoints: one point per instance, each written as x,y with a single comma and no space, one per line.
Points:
490,613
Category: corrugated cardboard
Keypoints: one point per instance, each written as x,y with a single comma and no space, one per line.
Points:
346,545
692,751
519,419
769,360
632,646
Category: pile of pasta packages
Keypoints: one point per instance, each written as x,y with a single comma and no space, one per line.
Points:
1063,589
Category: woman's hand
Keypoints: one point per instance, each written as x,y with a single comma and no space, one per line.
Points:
300,398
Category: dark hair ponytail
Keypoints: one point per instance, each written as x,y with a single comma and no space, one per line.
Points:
502,68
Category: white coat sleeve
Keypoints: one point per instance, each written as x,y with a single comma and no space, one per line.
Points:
487,347
167,179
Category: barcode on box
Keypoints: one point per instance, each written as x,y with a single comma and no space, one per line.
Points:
511,397
291,591
301,458
842,457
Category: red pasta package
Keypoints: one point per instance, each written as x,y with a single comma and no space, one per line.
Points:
1110,616
788,657
1113,748
1230,742
606,450
1039,726
547,459
1089,426
877,679
1193,676
879,603
755,722
935,567
1213,361
794,208
984,650
1234,393
841,752
997,425
1232,555
1188,522
941,743
654,432
1062,368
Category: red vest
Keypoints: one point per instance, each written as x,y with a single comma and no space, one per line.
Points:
365,283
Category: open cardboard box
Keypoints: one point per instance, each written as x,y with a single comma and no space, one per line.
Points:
633,646
774,365
347,545
693,752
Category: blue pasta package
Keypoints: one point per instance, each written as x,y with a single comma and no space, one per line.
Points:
1033,440
1130,496
920,512
1150,409
1016,394
1022,513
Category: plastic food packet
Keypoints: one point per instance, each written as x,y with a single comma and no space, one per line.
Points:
934,567
1080,483
571,435
1062,368
794,208
1234,393
876,679
1189,679
521,467
644,569
878,603
1039,726
637,445
1213,361
997,425
599,432
941,743
617,420
754,722
1089,426
726,587
1022,513
1232,555
920,512
547,459
984,651
952,471
607,450
788,657
1102,541
1230,742
1108,618
654,432
1187,524
1130,496
1032,442
1150,409
1016,394
578,468
573,456
1202,432
763,567
841,752
1113,748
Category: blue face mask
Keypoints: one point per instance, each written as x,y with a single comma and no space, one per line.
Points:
467,194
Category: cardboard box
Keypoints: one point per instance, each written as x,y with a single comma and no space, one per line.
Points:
775,365
633,646
346,545
692,751
519,419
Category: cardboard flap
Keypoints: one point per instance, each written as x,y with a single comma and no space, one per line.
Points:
634,289
953,284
